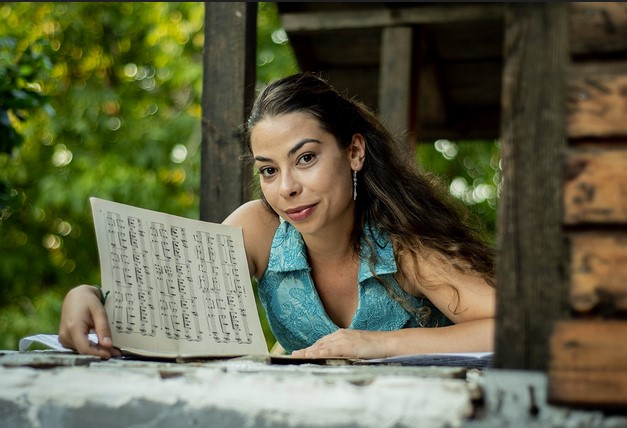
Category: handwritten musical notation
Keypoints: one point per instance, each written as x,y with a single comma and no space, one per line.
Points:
174,278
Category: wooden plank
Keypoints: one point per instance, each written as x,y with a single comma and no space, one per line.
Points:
596,99
294,22
587,388
595,186
531,254
600,27
589,344
395,85
599,272
588,363
228,88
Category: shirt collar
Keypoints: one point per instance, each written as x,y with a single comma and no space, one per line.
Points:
292,255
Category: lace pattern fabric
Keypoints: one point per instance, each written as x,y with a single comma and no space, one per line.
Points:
295,312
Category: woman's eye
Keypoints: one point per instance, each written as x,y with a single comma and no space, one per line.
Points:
306,158
267,171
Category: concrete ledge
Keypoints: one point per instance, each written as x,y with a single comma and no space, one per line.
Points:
72,391
229,394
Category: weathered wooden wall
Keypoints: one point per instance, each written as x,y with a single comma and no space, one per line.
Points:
588,363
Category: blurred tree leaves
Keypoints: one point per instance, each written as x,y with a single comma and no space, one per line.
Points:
20,69
275,57
20,94
471,170
125,81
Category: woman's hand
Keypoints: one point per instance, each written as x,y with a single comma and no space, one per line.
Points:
348,344
82,311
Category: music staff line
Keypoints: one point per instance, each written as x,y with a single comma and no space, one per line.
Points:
165,282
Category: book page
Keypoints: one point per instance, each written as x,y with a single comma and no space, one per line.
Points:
177,287
49,341
453,359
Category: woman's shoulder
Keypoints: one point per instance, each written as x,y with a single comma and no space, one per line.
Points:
252,210
259,225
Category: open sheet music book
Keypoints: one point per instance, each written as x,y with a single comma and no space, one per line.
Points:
177,287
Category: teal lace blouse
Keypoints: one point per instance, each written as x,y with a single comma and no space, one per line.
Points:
295,312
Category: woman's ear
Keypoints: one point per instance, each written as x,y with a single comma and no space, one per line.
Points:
357,152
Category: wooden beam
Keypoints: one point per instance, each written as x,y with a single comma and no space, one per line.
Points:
395,85
228,89
401,16
601,27
589,363
532,287
598,272
595,188
596,100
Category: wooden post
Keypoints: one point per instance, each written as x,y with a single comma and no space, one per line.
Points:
396,86
228,90
532,284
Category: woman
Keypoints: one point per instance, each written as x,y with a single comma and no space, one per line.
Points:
357,254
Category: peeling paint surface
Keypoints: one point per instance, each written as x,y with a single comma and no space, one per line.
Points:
46,391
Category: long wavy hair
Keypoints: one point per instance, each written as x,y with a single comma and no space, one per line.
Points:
412,207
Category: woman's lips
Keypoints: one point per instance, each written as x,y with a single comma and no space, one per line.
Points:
300,213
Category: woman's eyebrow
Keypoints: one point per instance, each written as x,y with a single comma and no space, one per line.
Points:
300,144
293,150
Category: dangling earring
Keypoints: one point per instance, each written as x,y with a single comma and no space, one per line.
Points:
354,185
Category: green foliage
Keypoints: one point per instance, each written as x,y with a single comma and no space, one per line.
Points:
125,81
20,69
275,57
471,170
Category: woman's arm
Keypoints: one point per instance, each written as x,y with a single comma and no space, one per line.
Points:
464,298
470,336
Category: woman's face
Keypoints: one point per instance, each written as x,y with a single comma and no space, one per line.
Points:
304,174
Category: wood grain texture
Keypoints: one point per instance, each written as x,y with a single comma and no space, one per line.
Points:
395,85
595,186
598,27
532,255
589,363
597,100
228,90
599,272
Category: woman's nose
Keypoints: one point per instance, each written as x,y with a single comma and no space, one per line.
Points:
289,186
